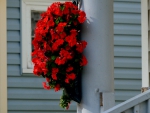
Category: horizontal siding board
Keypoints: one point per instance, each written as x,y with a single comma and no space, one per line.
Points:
137,1
13,70
26,93
25,82
127,7
127,84
13,3
127,29
13,13
13,47
126,18
13,24
127,51
124,73
42,105
127,40
13,58
41,94
125,95
124,62
13,36
27,111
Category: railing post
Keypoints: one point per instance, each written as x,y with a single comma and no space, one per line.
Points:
98,74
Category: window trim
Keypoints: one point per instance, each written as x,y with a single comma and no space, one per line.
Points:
27,6
3,58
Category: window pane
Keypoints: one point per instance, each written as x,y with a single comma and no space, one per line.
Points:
35,16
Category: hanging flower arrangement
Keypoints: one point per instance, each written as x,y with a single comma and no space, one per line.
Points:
58,50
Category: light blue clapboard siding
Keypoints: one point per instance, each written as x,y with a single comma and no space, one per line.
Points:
25,92
127,49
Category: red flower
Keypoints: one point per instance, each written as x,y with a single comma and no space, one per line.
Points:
47,79
74,32
63,35
45,86
57,87
44,68
51,23
57,48
67,80
54,73
83,61
37,70
82,16
55,9
70,68
56,44
60,27
64,56
54,35
60,60
71,40
80,46
71,76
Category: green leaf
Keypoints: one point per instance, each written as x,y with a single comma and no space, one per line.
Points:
53,57
70,22
76,60
60,19
53,65
57,21
62,7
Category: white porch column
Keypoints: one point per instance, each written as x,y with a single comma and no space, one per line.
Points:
98,74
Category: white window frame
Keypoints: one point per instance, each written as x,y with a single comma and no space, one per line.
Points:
27,7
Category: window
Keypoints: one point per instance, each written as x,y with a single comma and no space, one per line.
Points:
31,10
145,17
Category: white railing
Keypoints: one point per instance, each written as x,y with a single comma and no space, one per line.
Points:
137,104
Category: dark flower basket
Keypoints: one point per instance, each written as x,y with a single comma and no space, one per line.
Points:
58,50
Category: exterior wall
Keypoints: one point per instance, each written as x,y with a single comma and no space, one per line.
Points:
127,49
3,60
25,92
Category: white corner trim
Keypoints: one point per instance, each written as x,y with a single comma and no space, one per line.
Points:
3,58
145,51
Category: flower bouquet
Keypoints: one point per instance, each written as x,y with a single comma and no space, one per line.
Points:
58,50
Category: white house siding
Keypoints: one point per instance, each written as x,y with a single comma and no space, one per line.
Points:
127,49
25,92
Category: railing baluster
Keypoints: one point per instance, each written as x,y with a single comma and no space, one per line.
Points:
148,106
137,109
